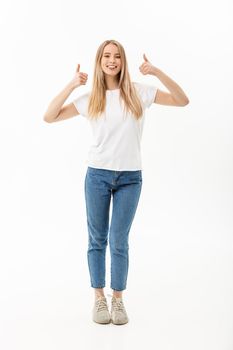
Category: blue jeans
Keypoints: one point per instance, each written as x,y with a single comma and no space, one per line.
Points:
125,188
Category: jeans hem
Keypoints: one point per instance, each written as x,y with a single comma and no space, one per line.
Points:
118,289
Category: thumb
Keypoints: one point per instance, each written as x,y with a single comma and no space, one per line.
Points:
145,58
78,68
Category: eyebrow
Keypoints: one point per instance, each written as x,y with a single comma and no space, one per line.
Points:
110,53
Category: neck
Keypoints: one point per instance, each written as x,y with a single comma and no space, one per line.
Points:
111,83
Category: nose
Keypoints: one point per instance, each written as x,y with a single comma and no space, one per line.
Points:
111,60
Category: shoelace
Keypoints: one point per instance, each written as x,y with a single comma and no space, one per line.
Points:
101,304
117,304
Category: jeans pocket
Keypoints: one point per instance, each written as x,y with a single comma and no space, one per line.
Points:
136,177
92,171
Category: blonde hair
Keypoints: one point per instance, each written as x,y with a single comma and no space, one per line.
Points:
128,93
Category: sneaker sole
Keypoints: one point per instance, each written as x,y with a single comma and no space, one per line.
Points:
106,322
119,324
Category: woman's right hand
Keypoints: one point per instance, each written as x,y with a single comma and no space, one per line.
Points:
79,78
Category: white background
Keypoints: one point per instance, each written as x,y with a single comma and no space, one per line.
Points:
180,282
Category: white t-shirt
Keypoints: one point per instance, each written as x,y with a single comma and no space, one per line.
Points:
116,136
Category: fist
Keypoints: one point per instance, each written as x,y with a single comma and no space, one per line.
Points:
146,67
79,78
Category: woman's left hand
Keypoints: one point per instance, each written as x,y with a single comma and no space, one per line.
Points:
146,67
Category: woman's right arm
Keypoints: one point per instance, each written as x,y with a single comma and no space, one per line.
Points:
56,111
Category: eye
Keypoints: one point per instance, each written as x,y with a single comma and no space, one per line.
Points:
108,56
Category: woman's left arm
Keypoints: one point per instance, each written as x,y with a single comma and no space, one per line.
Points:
176,97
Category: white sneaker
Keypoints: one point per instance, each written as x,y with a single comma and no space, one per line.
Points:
118,312
100,313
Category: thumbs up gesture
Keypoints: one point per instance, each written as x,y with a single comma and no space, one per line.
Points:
146,67
79,78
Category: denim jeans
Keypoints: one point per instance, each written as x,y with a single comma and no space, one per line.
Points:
124,187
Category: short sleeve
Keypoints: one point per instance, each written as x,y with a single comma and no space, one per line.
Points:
147,93
81,104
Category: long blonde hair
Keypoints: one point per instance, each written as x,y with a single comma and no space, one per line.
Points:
128,93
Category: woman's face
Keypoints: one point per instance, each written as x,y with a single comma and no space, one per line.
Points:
111,60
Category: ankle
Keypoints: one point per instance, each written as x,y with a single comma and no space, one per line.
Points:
99,293
117,294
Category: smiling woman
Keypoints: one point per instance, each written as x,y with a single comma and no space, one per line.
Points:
115,107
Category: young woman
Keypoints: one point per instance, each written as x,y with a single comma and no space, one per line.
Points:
115,108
